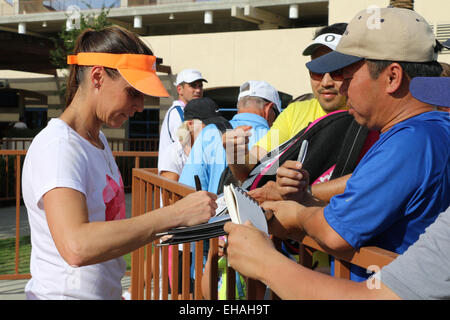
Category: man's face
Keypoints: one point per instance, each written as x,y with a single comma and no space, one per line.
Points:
363,95
324,87
190,91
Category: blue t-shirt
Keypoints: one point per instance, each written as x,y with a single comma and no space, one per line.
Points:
398,189
207,158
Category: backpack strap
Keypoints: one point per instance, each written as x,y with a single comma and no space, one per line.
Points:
181,113
347,159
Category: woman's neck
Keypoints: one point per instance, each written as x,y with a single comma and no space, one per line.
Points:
79,116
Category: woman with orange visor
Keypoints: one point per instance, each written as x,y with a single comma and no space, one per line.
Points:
72,187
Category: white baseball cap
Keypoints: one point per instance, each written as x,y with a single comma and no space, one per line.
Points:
330,40
189,76
261,89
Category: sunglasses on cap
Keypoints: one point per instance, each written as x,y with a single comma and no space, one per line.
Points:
337,75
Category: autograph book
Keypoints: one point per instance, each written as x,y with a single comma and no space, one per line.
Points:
234,205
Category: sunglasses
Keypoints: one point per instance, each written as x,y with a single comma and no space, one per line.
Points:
337,75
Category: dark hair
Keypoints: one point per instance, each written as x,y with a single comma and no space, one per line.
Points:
445,69
109,40
411,69
337,28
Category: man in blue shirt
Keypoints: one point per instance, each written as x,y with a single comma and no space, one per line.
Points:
403,278
258,105
403,182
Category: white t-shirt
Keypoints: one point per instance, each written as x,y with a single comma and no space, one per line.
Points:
176,159
60,157
167,136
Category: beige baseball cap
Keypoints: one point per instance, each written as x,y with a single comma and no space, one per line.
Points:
393,34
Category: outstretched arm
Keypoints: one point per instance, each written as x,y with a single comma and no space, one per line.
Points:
285,277
81,242
240,159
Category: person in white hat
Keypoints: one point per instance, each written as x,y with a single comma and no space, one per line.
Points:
189,84
258,106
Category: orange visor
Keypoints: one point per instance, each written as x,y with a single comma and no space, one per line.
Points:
139,70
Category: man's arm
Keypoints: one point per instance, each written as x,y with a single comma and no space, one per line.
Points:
240,159
326,190
170,175
285,277
292,220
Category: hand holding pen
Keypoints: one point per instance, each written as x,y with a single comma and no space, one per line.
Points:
292,179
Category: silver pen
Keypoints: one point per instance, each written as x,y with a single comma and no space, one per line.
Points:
303,150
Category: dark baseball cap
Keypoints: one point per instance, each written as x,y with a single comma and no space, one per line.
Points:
204,109
431,90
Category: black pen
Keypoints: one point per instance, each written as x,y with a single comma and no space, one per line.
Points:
198,184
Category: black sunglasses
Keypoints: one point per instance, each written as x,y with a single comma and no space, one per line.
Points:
337,75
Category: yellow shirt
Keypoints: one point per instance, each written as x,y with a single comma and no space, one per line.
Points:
294,118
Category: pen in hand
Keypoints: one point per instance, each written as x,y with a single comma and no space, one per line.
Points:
198,184
303,150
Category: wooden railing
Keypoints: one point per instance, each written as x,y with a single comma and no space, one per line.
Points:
12,175
116,144
147,189
8,146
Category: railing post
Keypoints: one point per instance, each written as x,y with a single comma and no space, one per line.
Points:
213,274
186,271
231,283
135,254
341,269
198,270
18,180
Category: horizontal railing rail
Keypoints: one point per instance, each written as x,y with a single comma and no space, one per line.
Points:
125,161
150,263
116,144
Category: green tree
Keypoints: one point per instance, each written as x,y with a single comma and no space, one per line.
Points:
64,43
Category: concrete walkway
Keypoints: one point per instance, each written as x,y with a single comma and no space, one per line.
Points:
14,289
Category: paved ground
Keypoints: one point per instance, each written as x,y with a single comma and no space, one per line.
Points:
14,289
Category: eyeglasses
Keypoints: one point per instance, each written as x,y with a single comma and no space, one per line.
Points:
337,75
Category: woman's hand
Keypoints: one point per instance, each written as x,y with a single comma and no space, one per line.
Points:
196,208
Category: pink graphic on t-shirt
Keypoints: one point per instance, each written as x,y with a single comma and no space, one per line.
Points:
114,199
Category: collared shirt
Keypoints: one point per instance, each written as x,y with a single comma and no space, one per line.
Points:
207,158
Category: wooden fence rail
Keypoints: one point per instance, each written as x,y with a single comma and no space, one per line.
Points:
147,189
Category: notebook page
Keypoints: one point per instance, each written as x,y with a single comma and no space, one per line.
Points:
248,209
